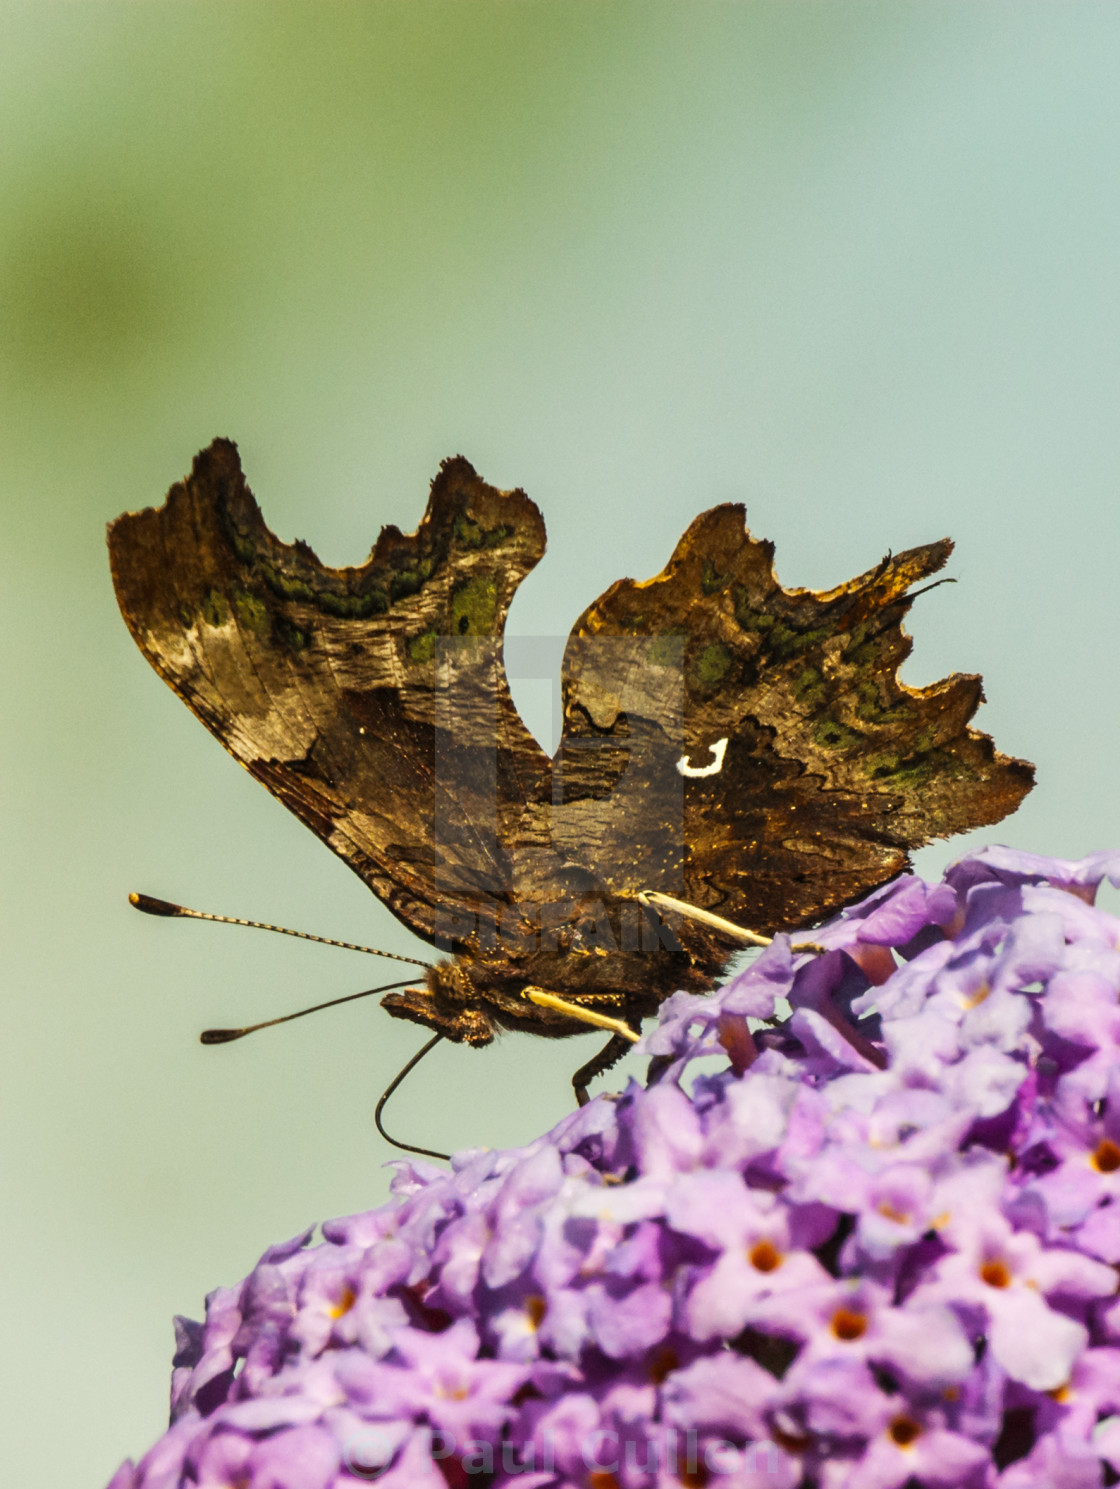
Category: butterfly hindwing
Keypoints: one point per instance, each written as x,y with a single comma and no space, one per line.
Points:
780,745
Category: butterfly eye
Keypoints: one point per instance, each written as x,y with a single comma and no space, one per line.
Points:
464,625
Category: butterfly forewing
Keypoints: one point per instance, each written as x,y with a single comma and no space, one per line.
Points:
323,682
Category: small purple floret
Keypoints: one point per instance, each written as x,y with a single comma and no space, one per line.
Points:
879,1247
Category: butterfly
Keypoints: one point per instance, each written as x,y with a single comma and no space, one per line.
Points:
737,747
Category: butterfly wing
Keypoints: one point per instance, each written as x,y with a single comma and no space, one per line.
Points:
751,749
371,700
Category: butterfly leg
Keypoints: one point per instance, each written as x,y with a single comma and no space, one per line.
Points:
657,1068
609,1055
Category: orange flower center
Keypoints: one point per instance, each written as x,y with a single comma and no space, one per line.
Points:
1106,1156
888,1212
345,1302
904,1431
977,997
663,1363
764,1256
449,1392
847,1325
996,1273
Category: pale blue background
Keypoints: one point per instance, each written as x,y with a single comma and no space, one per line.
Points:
855,264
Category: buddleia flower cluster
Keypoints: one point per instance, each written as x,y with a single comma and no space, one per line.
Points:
861,1231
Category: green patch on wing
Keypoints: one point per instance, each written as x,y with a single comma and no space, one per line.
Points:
785,642
873,710
242,544
860,649
296,638
779,638
710,666
914,769
474,606
422,648
472,535
286,586
215,610
344,604
352,607
329,593
665,650
831,734
710,582
411,580
251,612
748,617
809,688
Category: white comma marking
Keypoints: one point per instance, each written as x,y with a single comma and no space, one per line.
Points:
718,750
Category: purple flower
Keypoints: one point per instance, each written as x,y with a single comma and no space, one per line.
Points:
1010,1276
878,1247
907,1450
762,1249
854,1320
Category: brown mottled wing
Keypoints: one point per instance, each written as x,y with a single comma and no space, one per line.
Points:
372,700
832,768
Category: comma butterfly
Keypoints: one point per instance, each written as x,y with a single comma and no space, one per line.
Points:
747,748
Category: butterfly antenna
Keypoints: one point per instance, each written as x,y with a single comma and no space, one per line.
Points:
226,1036
151,906
390,1088
925,589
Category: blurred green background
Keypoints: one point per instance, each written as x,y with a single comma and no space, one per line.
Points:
857,265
